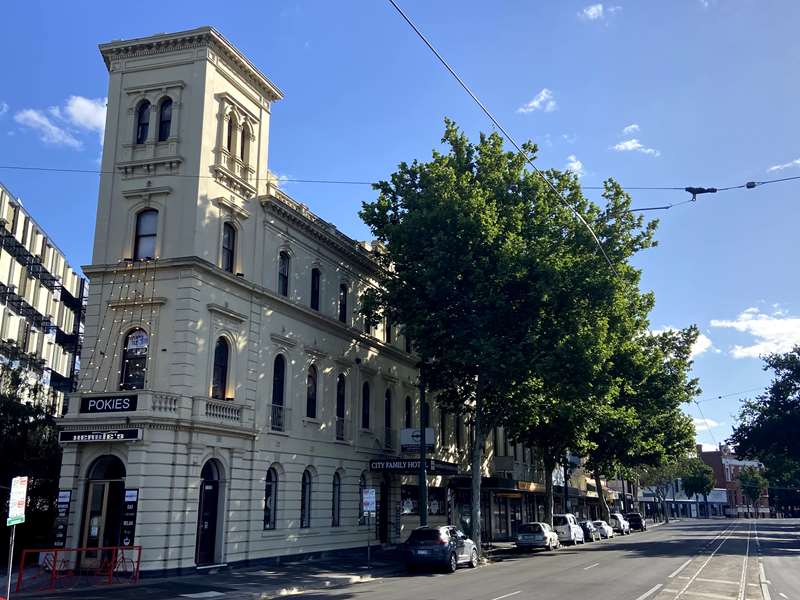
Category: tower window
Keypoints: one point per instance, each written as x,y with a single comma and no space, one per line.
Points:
315,281
305,500
283,274
142,122
311,393
219,381
134,360
343,302
144,245
228,247
365,406
165,119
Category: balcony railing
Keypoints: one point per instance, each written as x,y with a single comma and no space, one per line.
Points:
278,417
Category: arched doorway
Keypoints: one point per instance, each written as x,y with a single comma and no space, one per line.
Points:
208,513
103,505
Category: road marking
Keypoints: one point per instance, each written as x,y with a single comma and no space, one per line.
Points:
718,581
762,573
679,569
509,595
203,595
590,566
655,588
730,530
743,579
708,595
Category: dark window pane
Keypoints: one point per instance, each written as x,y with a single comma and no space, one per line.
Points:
145,240
387,409
283,274
365,406
311,393
220,373
228,247
142,122
164,120
408,420
305,500
270,499
134,360
343,303
336,500
277,380
315,279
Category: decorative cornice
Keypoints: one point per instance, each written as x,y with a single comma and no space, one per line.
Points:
226,312
146,192
126,303
231,205
315,352
202,37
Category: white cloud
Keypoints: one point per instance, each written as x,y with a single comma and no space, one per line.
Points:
630,129
634,145
63,124
709,447
544,100
87,113
280,180
701,345
3,108
597,12
569,137
574,165
704,424
776,332
49,132
793,163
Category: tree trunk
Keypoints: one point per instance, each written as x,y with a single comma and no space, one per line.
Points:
605,513
664,508
477,456
549,466
705,500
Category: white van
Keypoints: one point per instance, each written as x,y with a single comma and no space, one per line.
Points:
567,528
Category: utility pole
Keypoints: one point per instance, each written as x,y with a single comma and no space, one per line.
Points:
423,457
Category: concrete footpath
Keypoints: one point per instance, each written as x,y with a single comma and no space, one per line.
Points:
245,583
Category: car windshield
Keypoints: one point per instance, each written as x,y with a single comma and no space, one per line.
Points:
530,528
559,521
424,535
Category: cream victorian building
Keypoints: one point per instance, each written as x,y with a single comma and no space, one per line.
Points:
232,403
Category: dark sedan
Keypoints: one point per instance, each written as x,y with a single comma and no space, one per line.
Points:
440,547
637,521
590,532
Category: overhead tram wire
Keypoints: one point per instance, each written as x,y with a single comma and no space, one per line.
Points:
511,140
707,422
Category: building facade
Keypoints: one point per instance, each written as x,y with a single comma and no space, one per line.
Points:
727,466
41,313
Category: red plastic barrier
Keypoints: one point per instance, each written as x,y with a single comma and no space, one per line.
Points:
67,568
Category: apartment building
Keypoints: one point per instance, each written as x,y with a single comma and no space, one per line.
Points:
41,308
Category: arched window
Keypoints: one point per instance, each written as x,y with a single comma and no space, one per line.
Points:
340,407
408,417
387,419
164,119
425,416
365,406
231,137
142,122
144,244
315,280
228,247
134,360
283,273
219,381
278,378
362,486
336,500
305,500
311,393
244,147
343,302
270,498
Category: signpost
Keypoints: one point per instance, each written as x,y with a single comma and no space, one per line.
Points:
368,509
16,515
62,518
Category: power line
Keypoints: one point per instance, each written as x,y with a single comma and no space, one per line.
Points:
739,393
708,427
505,133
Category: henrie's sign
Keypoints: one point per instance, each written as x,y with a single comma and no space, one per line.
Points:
103,435
109,404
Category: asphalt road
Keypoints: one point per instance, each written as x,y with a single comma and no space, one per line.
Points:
688,560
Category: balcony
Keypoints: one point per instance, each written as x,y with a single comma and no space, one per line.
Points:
278,417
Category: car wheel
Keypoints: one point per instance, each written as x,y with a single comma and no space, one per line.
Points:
452,564
473,559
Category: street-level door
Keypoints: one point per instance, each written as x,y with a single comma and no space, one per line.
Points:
102,514
208,514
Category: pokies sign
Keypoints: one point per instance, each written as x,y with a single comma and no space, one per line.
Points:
109,404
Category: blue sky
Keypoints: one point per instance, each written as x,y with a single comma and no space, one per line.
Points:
686,92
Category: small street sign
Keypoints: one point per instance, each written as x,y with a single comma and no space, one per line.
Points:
368,504
16,504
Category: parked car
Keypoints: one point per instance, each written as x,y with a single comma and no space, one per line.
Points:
605,530
636,521
619,524
567,528
536,535
440,547
590,533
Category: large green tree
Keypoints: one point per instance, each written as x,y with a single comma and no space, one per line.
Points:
455,241
753,485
